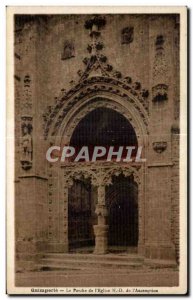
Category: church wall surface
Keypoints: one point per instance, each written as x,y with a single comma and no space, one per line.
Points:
50,57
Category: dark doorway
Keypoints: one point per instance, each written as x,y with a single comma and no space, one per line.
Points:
81,216
103,127
122,204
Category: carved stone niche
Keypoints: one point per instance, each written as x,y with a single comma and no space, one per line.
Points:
159,147
127,35
26,142
160,93
68,50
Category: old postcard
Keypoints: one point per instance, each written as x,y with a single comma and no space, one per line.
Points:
96,150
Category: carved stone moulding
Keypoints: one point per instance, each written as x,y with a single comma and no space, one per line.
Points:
92,92
97,79
99,174
159,147
91,86
160,93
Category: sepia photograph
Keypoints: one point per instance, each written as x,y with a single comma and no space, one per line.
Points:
96,150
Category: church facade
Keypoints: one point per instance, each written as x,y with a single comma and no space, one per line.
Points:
97,80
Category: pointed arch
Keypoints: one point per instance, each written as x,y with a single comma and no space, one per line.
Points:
93,93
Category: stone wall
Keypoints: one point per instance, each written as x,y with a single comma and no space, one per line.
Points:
50,56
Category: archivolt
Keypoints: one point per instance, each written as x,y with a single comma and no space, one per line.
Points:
76,115
96,92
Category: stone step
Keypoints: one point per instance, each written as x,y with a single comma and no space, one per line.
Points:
87,262
156,263
54,263
92,257
85,270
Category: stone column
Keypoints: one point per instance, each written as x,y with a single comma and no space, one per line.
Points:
101,229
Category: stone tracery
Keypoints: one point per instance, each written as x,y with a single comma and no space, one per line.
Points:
101,174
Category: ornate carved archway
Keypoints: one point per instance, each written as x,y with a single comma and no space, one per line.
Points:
93,93
99,86
99,173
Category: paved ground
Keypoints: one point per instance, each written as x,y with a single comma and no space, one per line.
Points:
100,278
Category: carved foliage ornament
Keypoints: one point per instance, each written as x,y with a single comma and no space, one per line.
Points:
116,171
89,87
99,176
